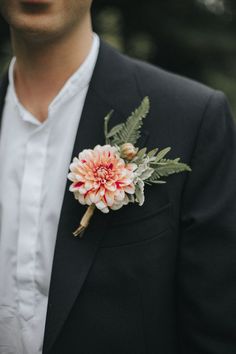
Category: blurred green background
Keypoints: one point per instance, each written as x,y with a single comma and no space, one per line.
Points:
195,38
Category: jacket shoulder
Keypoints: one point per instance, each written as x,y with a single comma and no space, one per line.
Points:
160,81
179,105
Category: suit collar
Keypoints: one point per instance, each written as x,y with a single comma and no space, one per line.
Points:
112,82
109,89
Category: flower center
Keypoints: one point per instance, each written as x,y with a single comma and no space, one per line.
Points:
103,173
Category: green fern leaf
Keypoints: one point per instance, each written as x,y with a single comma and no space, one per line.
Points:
162,154
129,132
106,122
152,153
166,168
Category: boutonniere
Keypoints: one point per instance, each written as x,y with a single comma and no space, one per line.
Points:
115,174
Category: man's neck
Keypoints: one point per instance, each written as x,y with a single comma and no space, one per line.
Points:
41,70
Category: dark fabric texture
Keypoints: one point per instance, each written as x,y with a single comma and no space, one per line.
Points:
161,278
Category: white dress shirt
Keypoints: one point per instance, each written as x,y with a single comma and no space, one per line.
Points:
34,162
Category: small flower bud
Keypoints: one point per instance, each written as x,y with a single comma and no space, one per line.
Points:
128,151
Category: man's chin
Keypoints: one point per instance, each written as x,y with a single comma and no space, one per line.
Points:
34,32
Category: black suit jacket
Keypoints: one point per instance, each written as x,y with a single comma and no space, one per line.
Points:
161,278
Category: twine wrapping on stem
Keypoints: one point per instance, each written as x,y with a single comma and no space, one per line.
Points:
85,221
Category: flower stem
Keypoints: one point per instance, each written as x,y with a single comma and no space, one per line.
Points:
84,222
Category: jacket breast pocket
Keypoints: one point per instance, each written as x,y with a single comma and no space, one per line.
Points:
145,227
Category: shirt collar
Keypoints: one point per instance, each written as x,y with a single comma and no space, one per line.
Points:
75,84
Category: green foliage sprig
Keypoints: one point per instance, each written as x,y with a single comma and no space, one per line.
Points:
152,166
129,131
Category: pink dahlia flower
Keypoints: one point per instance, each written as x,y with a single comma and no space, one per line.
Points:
102,178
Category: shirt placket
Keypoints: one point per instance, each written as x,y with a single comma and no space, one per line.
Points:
29,220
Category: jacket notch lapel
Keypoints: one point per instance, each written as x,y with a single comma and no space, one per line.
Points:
73,257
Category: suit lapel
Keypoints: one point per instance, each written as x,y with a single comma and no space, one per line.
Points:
73,257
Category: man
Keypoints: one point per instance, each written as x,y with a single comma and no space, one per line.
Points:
153,279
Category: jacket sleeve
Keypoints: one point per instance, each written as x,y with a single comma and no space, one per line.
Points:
207,253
